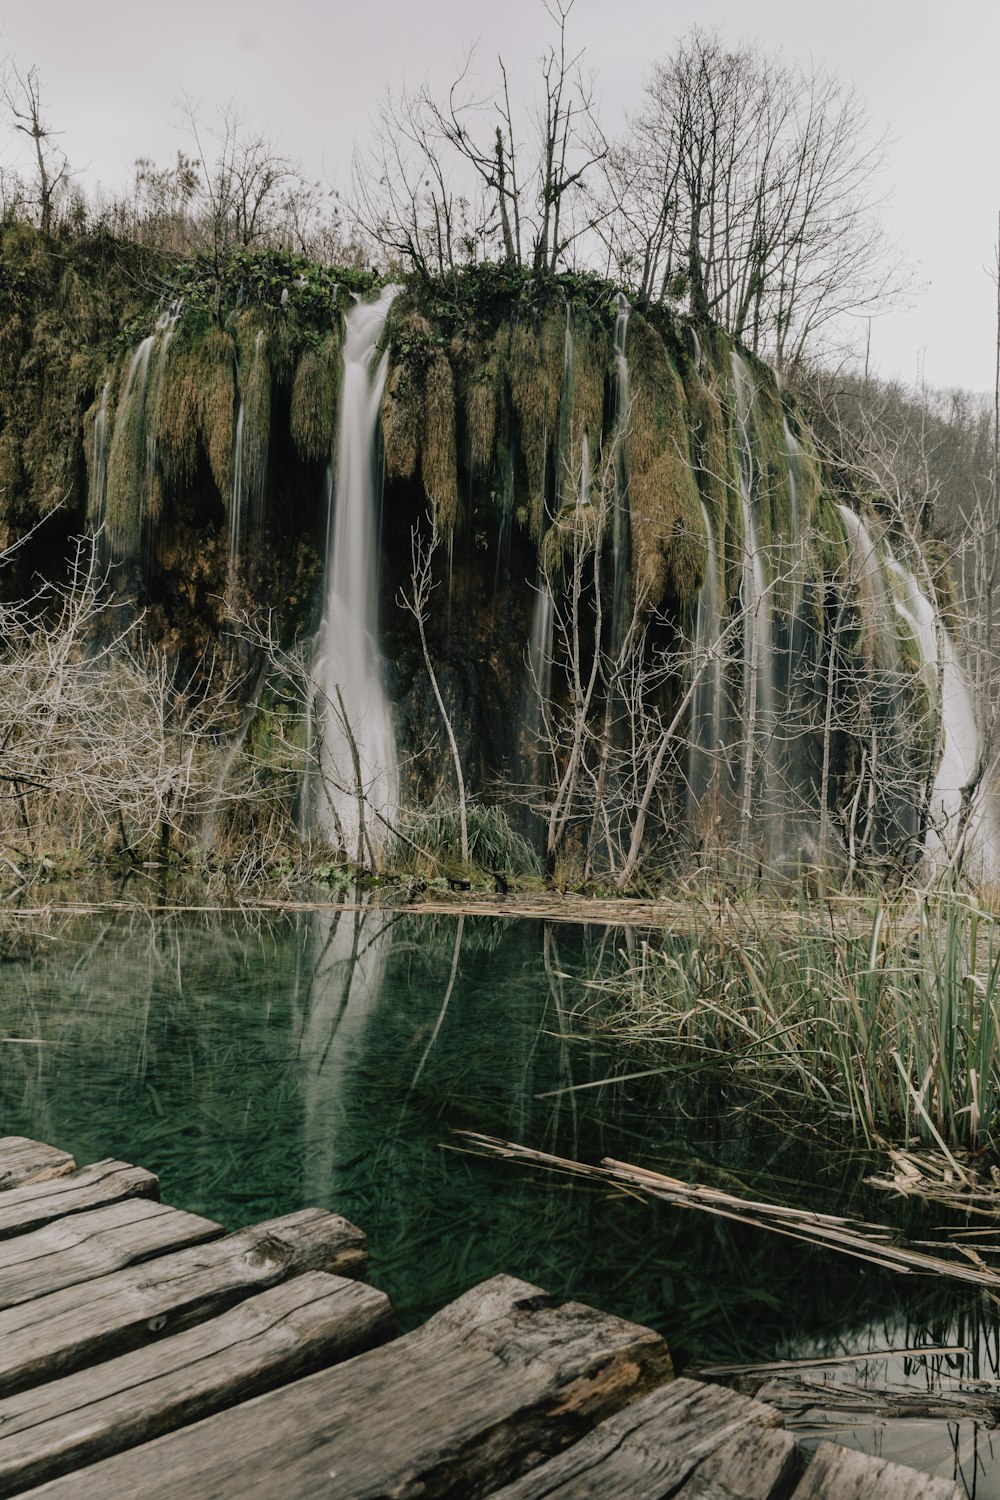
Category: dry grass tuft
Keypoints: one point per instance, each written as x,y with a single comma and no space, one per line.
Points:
439,468
669,544
535,370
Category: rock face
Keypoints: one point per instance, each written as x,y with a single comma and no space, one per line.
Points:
650,614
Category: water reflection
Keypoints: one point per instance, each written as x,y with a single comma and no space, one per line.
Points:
327,1057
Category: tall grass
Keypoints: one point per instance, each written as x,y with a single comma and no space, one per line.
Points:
495,845
885,1014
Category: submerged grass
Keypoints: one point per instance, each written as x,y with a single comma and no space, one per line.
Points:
890,1017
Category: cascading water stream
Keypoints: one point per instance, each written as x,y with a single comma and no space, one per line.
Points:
620,538
758,779
540,641
133,439
706,703
358,775
959,741
249,482
99,463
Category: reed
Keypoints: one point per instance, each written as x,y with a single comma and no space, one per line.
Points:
890,1016
495,846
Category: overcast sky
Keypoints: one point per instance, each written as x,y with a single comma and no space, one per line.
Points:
310,73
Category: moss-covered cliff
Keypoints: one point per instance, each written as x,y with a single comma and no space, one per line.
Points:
189,413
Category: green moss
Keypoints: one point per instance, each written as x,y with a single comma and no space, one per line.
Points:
591,358
439,469
11,474
216,406
535,365
574,533
408,334
717,484
315,393
253,353
177,424
669,544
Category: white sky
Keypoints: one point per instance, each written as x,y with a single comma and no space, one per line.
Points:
309,74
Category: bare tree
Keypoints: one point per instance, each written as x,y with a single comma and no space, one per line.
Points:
416,601
103,744
748,187
444,182
21,96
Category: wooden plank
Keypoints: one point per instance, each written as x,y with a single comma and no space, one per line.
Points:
37,1203
72,1250
495,1382
755,1464
836,1472
312,1320
111,1314
685,1440
23,1161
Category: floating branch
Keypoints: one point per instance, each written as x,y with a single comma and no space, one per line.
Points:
854,1237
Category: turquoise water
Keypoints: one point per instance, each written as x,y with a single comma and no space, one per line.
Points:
263,1063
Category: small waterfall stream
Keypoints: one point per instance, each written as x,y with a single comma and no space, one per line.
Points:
249,481
133,438
958,736
97,497
540,640
758,779
706,705
894,590
358,775
620,539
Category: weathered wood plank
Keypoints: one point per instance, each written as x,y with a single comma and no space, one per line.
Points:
495,1382
754,1464
312,1320
22,1161
685,1439
836,1473
37,1203
128,1309
72,1250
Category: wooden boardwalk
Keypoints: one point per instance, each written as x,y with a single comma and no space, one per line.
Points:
145,1352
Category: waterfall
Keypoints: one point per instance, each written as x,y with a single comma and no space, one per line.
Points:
99,462
354,798
540,653
236,491
540,641
792,456
758,656
565,484
132,462
249,482
959,744
706,703
890,590
620,538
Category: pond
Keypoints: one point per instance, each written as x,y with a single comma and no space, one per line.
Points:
264,1062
